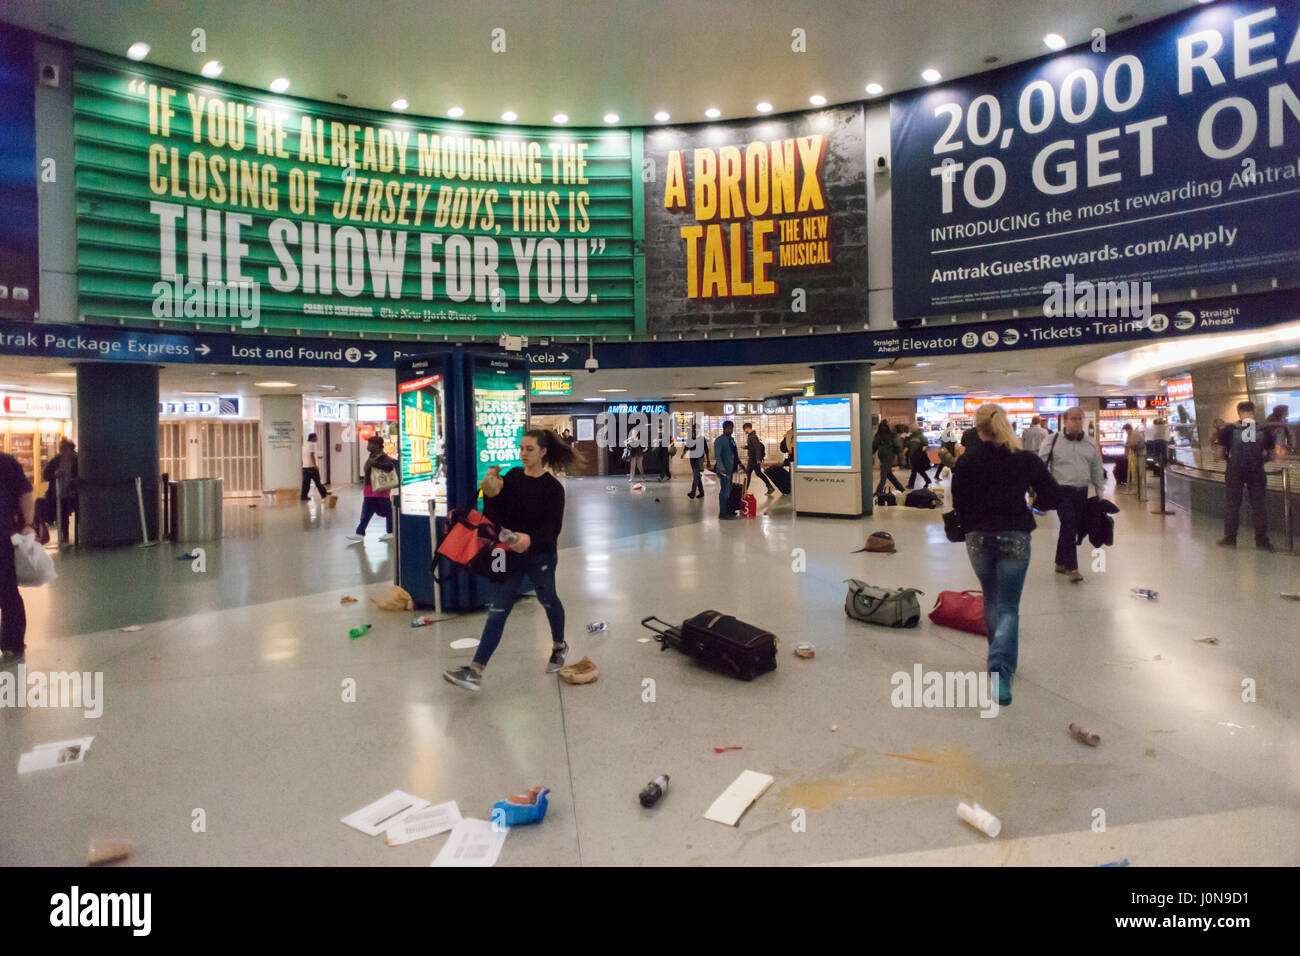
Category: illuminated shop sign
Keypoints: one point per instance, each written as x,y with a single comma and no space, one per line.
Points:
552,384
38,406
224,406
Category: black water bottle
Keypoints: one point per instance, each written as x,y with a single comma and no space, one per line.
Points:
655,789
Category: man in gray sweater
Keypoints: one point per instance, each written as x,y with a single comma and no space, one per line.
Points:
1074,461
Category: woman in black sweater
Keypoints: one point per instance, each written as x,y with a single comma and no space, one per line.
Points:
530,502
988,492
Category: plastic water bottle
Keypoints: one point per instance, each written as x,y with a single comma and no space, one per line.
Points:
421,621
1144,593
507,537
358,631
597,626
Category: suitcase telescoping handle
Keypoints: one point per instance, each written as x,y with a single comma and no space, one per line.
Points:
659,634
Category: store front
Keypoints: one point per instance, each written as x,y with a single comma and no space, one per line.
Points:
216,436
381,420
579,420
337,451
31,427
771,418
1114,412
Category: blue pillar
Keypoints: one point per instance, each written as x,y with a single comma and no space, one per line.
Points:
846,378
117,440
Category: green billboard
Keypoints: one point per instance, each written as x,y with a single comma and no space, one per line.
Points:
216,205
500,414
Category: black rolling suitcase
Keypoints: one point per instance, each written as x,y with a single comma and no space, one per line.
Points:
737,496
734,647
779,476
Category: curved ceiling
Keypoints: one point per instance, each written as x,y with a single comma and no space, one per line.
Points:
584,58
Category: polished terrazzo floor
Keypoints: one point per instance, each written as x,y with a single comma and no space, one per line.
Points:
228,699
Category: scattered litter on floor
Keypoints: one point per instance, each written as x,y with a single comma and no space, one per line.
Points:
906,757
1145,594
737,798
980,819
643,640
427,822
472,843
653,790
361,631
385,812
464,643
1290,595
131,627
656,500
1149,752
1083,736
347,599
805,650
595,626
422,621
57,754
638,487
1206,640
583,672
186,557
398,600
331,501
522,809
102,852
723,750
1123,862
834,727
611,489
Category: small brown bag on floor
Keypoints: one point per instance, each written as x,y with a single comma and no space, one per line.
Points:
398,600
583,672
331,501
879,542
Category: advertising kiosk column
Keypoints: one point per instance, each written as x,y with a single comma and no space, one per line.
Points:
461,411
828,456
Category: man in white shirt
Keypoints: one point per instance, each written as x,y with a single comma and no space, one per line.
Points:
1074,461
310,469
1032,439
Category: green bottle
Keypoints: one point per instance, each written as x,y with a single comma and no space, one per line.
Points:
358,631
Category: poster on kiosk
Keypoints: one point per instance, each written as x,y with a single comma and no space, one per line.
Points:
461,411
828,456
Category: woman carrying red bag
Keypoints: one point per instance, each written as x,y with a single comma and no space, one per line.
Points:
988,491
530,502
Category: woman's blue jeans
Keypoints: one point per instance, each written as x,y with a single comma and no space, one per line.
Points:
539,566
1001,561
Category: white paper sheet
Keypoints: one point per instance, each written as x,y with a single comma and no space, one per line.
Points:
464,643
384,812
57,754
586,429
736,799
424,823
472,843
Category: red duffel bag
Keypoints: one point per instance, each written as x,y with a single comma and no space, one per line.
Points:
963,610
471,540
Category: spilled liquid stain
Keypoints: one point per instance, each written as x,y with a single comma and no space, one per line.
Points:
868,775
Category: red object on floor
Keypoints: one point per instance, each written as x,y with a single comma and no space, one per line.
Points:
723,750
749,507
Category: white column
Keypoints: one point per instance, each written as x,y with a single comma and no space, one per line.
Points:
282,440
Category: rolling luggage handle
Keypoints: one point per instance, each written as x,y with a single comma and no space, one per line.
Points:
668,631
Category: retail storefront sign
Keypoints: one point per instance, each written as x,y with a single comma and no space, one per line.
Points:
24,405
343,219
551,384
1167,155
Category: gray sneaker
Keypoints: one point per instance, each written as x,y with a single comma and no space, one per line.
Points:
558,654
463,677
11,657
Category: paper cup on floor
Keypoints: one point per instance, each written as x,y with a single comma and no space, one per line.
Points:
980,819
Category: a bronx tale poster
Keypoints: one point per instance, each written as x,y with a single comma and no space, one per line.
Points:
757,224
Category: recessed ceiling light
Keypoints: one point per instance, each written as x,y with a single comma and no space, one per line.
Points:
560,118
510,116
212,69
611,390
198,393
611,117
875,89
924,364
931,75
275,384
728,383
279,84
593,399
763,107
400,104
455,112
662,117
683,395
885,372
817,100
923,381
61,374
1054,41
137,51
713,112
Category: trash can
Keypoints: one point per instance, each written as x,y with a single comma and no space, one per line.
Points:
196,510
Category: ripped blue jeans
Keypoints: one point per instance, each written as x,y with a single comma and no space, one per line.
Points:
1000,561
539,567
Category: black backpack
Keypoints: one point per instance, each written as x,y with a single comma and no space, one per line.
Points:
1249,455
921,498
886,498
